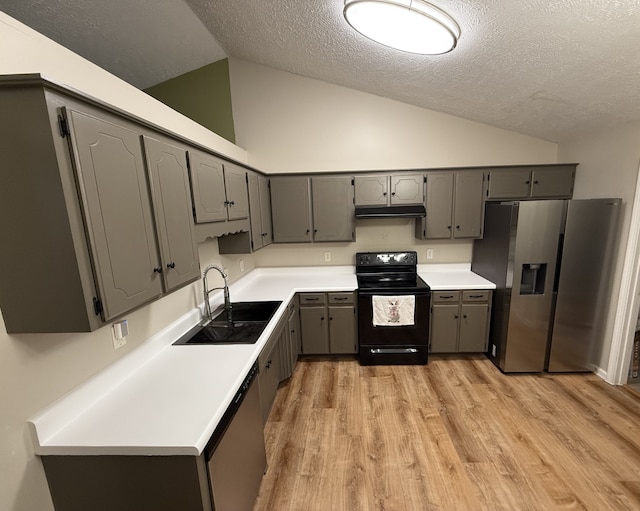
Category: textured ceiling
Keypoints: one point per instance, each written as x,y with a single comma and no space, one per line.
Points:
144,42
544,68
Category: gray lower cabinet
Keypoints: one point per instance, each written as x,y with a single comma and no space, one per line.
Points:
290,341
269,371
460,321
161,483
454,204
328,323
547,182
88,242
219,188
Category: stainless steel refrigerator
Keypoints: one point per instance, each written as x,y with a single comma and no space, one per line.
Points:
551,262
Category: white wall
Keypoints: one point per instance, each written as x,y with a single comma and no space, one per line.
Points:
608,167
289,123
35,370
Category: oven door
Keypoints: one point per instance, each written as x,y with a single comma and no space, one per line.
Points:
407,344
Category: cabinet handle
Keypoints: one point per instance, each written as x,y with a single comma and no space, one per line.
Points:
311,299
464,316
393,193
449,227
476,296
384,194
457,227
307,231
446,297
315,231
456,316
340,298
157,269
226,203
232,202
330,318
535,182
527,182
171,265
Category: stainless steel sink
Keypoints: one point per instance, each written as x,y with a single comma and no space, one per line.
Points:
249,320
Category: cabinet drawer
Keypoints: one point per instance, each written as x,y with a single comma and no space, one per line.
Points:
475,296
312,299
340,298
445,296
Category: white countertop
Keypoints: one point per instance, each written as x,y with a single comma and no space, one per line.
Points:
441,277
163,399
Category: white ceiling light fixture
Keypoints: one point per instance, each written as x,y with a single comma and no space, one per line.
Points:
413,26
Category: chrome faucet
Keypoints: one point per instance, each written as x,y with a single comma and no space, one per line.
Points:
227,302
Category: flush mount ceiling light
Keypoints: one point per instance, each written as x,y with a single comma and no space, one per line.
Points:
413,26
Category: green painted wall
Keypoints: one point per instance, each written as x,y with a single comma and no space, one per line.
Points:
203,95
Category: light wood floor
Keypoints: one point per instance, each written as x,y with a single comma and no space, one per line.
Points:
455,434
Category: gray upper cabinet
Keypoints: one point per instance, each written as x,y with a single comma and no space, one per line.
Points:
235,185
454,205
333,209
106,213
169,178
219,188
548,182
259,213
406,189
291,209
389,190
115,196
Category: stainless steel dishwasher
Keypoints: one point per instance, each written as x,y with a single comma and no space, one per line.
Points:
236,458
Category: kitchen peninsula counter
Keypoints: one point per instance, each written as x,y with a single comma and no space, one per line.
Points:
165,399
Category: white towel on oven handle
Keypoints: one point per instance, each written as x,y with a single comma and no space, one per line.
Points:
393,310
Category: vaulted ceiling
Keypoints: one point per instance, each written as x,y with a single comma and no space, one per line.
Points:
543,68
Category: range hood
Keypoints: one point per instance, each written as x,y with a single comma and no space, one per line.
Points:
412,211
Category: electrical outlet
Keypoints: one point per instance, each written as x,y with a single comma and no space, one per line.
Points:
241,265
119,332
493,350
327,256
429,253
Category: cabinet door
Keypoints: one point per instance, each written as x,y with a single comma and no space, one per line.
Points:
117,209
509,184
291,209
372,190
444,328
207,182
268,380
313,326
439,205
342,330
473,327
468,205
293,326
255,211
552,183
235,184
333,210
407,189
265,210
167,165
